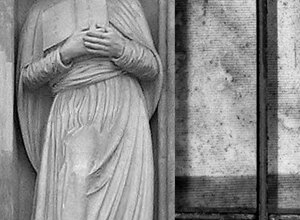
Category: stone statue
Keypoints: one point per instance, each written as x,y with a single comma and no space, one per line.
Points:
89,80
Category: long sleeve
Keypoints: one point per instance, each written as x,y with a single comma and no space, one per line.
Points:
37,73
137,60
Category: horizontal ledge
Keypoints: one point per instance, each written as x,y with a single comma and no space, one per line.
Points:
214,217
281,211
223,210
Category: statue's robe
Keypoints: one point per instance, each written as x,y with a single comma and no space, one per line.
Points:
86,127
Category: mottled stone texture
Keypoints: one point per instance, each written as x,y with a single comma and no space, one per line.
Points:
216,100
216,88
284,103
284,217
215,217
8,157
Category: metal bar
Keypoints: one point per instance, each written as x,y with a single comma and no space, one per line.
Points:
262,168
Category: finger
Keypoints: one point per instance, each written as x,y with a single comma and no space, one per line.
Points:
82,34
97,34
100,27
95,46
84,29
98,52
92,39
104,29
95,40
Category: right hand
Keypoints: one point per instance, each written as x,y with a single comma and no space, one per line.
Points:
73,47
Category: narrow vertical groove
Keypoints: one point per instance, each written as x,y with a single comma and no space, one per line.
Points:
262,110
162,110
166,113
171,106
162,142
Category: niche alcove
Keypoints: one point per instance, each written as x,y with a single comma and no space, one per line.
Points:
17,175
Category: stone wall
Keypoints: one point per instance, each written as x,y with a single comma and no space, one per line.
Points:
8,157
284,104
216,102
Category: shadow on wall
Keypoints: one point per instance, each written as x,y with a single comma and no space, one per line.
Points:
215,105
216,108
272,107
27,174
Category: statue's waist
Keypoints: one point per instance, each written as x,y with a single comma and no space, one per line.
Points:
84,73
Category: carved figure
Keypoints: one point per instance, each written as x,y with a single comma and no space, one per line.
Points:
89,80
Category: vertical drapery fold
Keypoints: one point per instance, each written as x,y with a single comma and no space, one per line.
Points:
97,166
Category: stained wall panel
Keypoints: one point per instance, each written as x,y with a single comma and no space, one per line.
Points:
215,104
284,104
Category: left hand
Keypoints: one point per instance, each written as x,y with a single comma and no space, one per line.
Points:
104,42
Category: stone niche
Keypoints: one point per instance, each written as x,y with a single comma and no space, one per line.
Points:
17,175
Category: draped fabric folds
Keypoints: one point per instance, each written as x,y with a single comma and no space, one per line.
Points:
90,141
127,16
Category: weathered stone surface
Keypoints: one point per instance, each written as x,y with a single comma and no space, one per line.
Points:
284,105
8,157
215,217
216,88
284,217
216,103
288,87
216,194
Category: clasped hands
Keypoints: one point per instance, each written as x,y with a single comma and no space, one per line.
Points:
100,41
